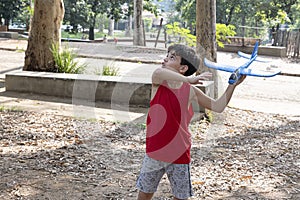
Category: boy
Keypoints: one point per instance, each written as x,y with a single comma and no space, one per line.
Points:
168,140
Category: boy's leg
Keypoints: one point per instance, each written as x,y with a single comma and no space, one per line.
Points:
145,196
149,178
148,196
180,180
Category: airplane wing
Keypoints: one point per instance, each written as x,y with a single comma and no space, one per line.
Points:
244,55
248,56
259,73
213,65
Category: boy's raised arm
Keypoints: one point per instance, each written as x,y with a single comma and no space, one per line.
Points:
216,105
161,74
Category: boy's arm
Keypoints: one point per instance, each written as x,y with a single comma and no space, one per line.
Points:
215,105
161,74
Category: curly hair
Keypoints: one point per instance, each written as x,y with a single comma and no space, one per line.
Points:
188,56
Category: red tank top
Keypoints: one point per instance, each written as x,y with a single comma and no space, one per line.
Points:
168,138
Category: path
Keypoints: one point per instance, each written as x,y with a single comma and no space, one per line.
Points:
279,94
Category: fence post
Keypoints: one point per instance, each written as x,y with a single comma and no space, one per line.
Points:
288,43
284,38
157,37
297,45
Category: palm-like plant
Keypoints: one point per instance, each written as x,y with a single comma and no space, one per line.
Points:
65,60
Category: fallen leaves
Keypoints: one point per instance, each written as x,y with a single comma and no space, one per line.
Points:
244,154
250,151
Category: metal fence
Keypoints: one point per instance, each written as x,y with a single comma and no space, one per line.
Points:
290,40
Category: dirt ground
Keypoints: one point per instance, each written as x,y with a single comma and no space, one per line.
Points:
240,155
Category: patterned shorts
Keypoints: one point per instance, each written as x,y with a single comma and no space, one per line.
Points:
178,175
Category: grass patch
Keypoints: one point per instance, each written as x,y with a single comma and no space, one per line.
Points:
110,70
20,50
10,109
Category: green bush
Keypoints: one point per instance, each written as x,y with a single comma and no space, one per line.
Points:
182,35
65,60
222,31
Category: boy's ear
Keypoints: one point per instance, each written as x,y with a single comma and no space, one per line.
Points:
183,68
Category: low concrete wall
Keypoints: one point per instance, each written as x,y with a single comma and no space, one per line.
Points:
12,35
118,90
262,50
3,28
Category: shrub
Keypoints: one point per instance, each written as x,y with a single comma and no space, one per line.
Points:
222,31
110,70
65,60
182,35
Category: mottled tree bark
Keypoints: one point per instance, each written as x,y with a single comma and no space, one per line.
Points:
138,34
206,35
45,29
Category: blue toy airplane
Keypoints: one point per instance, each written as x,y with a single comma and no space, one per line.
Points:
243,69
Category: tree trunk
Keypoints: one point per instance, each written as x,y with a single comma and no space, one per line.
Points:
111,27
206,35
91,33
45,29
6,22
128,31
92,27
138,34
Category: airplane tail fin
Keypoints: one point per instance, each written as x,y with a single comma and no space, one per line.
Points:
255,50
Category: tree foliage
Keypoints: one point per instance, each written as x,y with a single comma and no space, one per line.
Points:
11,9
86,12
180,35
254,13
245,12
295,16
187,10
151,7
76,13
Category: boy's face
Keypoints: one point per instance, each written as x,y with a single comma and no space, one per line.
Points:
172,62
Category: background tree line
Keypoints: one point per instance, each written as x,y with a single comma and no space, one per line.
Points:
91,14
250,13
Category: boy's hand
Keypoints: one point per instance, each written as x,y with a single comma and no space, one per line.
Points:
201,77
242,78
